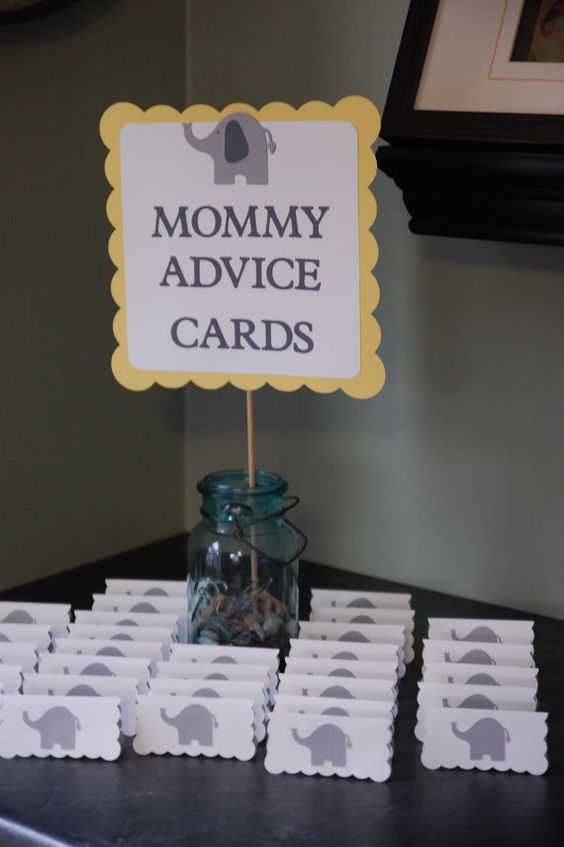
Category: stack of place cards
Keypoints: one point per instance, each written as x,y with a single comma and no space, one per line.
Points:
207,700
336,701
477,701
134,596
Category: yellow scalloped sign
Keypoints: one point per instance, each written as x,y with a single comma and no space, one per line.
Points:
243,247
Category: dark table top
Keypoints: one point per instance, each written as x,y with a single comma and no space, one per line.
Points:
149,801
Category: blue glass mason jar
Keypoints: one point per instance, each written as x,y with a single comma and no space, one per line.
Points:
243,561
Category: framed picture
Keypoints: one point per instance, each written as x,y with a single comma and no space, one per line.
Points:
489,71
474,119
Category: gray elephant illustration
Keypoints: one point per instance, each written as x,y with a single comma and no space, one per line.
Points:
96,669
127,622
487,737
155,592
82,691
474,701
205,692
346,655
361,603
353,636
239,146
326,743
224,660
479,679
337,691
18,616
56,726
220,676
335,710
193,723
109,651
480,633
342,672
121,636
362,619
474,657
143,607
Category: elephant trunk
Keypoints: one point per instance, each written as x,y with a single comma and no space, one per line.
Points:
195,142
454,636
165,718
27,720
457,732
299,740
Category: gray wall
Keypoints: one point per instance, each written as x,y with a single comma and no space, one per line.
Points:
452,477
86,468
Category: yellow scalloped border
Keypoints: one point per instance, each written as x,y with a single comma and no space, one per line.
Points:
356,110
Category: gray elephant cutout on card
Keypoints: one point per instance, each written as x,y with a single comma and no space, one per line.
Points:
238,146
354,636
224,660
362,619
327,743
121,636
480,679
193,723
342,672
346,655
95,669
109,651
361,603
205,692
155,592
474,701
82,691
487,737
474,657
481,633
143,607
220,676
18,616
56,726
127,622
337,691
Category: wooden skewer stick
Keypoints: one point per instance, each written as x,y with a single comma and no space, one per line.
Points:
252,482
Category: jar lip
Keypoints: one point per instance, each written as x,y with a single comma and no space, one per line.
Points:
223,483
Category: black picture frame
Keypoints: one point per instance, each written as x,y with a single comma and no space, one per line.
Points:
470,174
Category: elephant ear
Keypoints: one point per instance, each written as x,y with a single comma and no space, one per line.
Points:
236,147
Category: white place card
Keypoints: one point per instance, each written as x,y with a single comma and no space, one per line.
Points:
233,690
478,653
152,650
33,725
476,738
486,631
19,654
186,725
304,647
161,635
29,633
220,673
96,666
358,634
492,675
341,668
227,655
403,617
455,697
128,619
328,745
147,587
74,685
11,678
54,615
359,599
139,604
299,705
342,689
